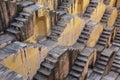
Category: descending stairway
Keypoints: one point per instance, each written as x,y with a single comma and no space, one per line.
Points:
116,63
65,5
116,41
57,30
106,16
91,7
85,34
48,65
21,26
81,63
61,21
103,64
117,23
105,36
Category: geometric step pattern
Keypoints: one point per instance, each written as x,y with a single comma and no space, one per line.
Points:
104,60
106,16
21,25
61,21
85,34
79,65
116,63
103,63
65,4
58,29
104,37
117,23
116,41
90,9
48,65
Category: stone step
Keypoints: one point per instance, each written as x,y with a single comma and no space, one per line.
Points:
116,65
81,58
100,67
103,21
102,63
90,9
25,3
85,32
86,15
117,41
103,58
79,63
47,65
104,36
24,14
61,24
85,37
103,39
106,15
63,7
49,59
60,29
44,71
74,74
101,43
116,25
19,19
116,44
55,54
106,32
87,29
13,31
92,5
77,69
71,78
117,57
105,55
16,25
105,18
84,54
82,41
97,70
118,34
40,77
54,38
117,38
117,61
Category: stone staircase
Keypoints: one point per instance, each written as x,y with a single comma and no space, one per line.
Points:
80,64
65,5
21,25
105,36
116,41
116,63
83,38
48,65
57,30
103,64
106,16
117,23
91,7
